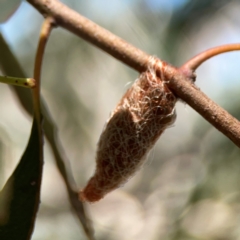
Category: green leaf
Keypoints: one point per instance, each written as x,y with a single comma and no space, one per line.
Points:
20,197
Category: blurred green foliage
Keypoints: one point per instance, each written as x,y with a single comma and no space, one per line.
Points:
188,189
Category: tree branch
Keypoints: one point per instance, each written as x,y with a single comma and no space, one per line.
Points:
137,59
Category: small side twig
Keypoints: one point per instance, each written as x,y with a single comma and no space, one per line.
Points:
196,61
44,35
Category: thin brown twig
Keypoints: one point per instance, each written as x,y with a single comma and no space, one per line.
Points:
44,35
196,61
137,59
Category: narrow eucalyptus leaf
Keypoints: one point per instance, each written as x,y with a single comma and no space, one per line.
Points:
20,197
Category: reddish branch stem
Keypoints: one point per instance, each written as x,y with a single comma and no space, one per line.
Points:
137,59
196,61
44,35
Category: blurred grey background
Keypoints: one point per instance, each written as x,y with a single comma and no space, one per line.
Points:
189,186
